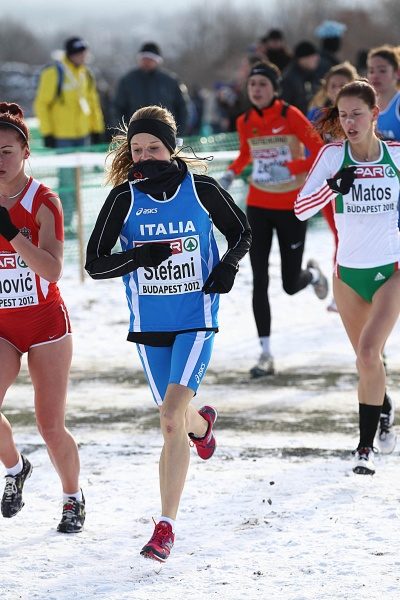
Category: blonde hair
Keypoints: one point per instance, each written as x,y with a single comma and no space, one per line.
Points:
345,69
120,153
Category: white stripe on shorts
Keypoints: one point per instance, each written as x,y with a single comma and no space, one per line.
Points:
152,384
193,357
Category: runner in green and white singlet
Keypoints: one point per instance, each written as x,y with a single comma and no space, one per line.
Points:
361,177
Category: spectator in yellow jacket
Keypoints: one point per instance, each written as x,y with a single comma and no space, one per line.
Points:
68,107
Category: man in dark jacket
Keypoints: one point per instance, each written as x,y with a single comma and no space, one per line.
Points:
149,84
302,78
274,48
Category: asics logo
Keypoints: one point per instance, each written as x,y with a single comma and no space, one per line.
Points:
146,211
296,245
277,129
200,373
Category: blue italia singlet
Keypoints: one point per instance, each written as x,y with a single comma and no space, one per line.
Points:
169,297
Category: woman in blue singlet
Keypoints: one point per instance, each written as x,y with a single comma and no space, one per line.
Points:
383,65
163,216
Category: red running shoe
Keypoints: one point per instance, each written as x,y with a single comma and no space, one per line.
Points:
206,445
160,544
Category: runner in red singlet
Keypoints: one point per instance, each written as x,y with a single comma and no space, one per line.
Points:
33,319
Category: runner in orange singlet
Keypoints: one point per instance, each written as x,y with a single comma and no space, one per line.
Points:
272,137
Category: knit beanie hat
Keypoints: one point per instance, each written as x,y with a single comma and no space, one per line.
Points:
151,50
74,45
305,48
268,70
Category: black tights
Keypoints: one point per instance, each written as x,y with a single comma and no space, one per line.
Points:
291,236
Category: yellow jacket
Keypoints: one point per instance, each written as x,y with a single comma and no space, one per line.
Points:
76,112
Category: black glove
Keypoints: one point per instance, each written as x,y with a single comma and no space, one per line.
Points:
49,141
95,138
152,254
7,227
220,280
343,180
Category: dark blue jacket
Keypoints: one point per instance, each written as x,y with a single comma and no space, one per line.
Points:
145,88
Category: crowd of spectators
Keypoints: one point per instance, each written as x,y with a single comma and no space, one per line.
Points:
197,110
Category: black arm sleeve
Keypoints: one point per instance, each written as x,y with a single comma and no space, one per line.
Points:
100,263
228,218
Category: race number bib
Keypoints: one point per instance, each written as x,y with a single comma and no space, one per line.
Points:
269,155
180,274
265,158
375,190
17,283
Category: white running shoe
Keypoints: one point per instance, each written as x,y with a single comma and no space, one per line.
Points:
386,438
332,306
363,461
264,366
321,285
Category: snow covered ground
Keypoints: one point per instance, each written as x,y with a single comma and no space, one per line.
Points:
276,514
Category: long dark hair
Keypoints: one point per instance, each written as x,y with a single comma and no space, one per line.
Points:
329,124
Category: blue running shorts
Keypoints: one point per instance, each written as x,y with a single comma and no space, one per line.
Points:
184,363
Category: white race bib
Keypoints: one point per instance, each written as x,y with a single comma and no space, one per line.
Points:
380,196
179,274
264,158
17,283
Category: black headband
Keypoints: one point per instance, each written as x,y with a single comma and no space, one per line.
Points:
266,71
14,127
159,129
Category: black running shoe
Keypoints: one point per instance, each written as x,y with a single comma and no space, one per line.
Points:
73,516
12,502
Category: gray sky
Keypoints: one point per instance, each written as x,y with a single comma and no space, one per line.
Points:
136,18
131,17
52,15
47,12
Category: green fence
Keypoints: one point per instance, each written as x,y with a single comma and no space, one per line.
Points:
78,178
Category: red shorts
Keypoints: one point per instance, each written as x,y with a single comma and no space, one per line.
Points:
35,325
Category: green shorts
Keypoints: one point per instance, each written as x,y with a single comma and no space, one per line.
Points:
365,282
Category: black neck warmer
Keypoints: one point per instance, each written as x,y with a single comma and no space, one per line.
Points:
158,178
